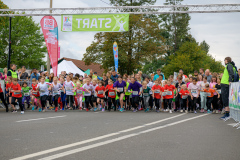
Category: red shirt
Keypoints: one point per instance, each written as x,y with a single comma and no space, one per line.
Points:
169,88
155,88
34,87
184,93
111,91
1,88
210,91
8,85
97,89
16,87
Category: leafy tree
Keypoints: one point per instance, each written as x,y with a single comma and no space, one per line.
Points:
191,57
143,42
28,45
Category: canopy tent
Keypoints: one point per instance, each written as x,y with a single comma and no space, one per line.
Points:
87,72
68,66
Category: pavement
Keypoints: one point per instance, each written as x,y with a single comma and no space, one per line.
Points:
99,135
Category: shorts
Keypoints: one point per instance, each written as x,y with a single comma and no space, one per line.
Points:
225,94
100,98
94,99
119,93
10,95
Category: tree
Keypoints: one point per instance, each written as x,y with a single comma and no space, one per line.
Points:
143,42
28,45
191,57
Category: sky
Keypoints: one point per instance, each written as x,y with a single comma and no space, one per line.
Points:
220,30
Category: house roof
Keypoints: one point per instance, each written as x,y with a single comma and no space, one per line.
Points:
81,65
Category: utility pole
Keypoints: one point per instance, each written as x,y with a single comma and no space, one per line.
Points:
48,59
9,43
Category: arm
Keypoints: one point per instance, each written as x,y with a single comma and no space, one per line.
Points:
230,72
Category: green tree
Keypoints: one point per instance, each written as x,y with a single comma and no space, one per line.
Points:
28,45
191,57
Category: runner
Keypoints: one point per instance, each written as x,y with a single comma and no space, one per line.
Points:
79,94
35,94
44,92
184,95
120,87
157,92
68,88
146,95
2,98
111,95
88,93
94,96
169,88
134,88
194,89
63,94
203,95
100,91
209,93
16,96
215,97
56,87
26,94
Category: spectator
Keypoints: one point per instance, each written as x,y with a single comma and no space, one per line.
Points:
181,72
201,71
114,76
94,75
12,72
34,74
23,73
195,75
158,74
209,77
5,71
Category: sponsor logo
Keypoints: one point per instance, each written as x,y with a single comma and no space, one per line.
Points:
48,24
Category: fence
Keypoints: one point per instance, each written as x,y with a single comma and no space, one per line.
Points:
29,83
234,102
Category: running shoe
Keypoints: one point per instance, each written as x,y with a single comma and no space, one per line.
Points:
217,111
147,109
135,110
33,108
157,111
103,109
224,117
87,110
170,111
202,110
121,110
195,112
40,109
44,110
186,111
14,111
56,109
95,109
181,111
208,111
214,111
140,109
22,112
80,108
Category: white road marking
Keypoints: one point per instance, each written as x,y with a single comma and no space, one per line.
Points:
63,154
90,140
41,118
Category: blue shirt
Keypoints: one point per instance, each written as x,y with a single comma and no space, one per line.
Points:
114,78
135,87
33,76
157,76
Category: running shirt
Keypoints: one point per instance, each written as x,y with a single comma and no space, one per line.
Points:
184,93
34,88
194,89
69,87
43,88
179,86
157,90
93,91
202,85
210,92
170,89
146,92
100,91
150,85
120,86
1,88
79,91
218,86
25,91
8,85
212,86
135,88
88,87
56,89
111,91
16,87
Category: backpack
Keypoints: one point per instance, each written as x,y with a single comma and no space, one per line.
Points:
236,76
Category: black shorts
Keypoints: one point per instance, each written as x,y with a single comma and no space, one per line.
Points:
100,98
119,93
225,94
10,95
94,99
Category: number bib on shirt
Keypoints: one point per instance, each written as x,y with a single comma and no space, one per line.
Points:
95,94
193,91
68,89
184,97
157,91
42,91
120,89
164,93
145,94
26,94
169,93
100,92
219,91
55,92
79,91
16,92
207,94
135,93
111,93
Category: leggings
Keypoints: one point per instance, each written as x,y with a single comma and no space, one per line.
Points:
157,103
209,102
214,102
3,100
43,100
183,104
110,101
151,101
178,101
26,98
63,99
19,100
168,103
135,101
193,104
203,100
88,100
79,100
220,103
70,100
56,100
50,100
146,101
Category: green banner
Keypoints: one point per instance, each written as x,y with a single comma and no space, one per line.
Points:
95,22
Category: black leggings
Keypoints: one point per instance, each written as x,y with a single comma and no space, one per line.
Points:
110,101
56,100
3,100
168,103
193,104
178,101
50,100
70,100
157,103
209,102
43,100
88,100
184,103
215,102
19,100
151,101
135,102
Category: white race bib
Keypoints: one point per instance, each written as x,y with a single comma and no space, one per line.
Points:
219,91
68,89
120,89
169,93
193,91
55,92
164,93
79,91
207,94
42,91
184,97
145,94
26,94
157,91
111,93
100,92
135,93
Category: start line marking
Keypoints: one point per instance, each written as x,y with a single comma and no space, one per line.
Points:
41,118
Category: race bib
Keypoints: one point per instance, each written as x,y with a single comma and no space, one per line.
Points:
87,92
42,91
111,93
219,91
55,92
164,93
100,92
193,91
169,93
135,93
208,94
26,94
184,97
68,89
79,91
145,94
157,91
179,89
16,92
120,89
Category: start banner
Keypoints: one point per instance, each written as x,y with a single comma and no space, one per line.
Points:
95,22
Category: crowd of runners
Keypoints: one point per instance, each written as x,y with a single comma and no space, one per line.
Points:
201,92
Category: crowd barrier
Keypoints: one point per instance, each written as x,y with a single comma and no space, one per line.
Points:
234,103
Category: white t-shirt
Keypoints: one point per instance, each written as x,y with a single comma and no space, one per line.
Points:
150,85
68,87
93,92
43,88
194,89
202,85
88,87
56,89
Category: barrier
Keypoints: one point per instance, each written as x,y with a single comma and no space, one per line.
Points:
29,83
234,102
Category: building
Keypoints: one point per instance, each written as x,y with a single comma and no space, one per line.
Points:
81,65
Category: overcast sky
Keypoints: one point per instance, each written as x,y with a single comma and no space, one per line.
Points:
220,30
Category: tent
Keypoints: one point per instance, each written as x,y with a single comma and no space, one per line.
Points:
68,66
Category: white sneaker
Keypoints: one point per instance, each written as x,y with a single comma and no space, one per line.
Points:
181,111
195,112
170,111
166,110
223,111
217,112
214,111
186,111
22,112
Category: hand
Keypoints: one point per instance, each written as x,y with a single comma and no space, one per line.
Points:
131,91
118,90
218,95
192,97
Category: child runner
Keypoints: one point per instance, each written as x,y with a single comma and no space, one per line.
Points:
178,86
120,87
127,95
68,87
146,95
100,91
94,96
16,96
26,94
79,94
75,79
150,85
63,95
35,94
87,94
111,95
163,97
194,93
135,87
184,95
215,97
44,92
209,93
203,95
157,90
219,102
8,91
2,98
56,87
169,88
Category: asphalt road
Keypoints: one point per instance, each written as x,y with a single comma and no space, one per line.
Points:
117,136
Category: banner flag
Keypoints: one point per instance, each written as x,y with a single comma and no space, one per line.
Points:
50,32
95,22
58,52
115,54
234,101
